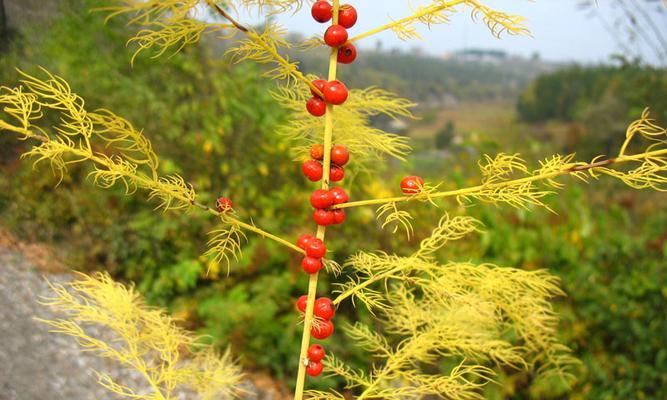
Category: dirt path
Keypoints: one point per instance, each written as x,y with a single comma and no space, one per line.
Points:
38,365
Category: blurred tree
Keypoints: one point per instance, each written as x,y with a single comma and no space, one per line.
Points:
445,135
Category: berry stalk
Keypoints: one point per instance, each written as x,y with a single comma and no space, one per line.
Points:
321,230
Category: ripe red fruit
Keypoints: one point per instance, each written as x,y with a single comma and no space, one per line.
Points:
339,195
311,265
322,11
340,155
312,170
314,368
339,216
316,248
347,16
412,184
336,174
323,217
317,151
347,53
318,83
316,107
335,93
316,353
302,303
303,240
324,308
321,199
335,36
323,330
224,204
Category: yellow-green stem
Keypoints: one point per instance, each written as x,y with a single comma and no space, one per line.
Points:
426,11
568,169
321,230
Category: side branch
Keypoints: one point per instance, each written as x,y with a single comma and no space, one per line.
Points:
568,169
278,58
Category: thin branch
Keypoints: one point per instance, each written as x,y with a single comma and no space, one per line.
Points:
568,169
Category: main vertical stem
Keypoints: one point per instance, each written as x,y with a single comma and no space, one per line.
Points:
321,230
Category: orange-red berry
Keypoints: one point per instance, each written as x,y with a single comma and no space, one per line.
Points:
311,265
335,93
302,303
224,204
324,308
339,216
316,248
317,151
347,53
322,11
312,170
347,16
303,240
340,155
336,174
322,330
321,199
324,217
412,184
319,84
316,353
336,35
314,368
316,107
339,195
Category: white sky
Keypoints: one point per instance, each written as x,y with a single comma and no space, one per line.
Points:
560,31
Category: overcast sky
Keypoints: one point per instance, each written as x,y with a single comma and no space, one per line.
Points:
560,30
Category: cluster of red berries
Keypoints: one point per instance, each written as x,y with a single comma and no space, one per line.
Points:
313,169
333,92
322,199
324,311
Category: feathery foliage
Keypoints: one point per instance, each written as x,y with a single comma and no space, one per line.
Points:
145,340
352,128
72,140
480,314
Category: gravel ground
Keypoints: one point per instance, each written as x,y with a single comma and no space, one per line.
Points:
38,365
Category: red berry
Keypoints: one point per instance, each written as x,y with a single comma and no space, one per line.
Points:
324,308
412,184
317,151
302,303
303,240
312,170
335,36
323,330
314,368
339,195
322,11
336,174
335,93
347,16
311,265
347,53
321,199
323,217
319,84
224,204
339,216
316,353
340,155
316,107
316,248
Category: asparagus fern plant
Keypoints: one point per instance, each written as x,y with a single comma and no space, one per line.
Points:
475,316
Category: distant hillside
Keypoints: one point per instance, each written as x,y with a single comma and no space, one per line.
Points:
437,81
